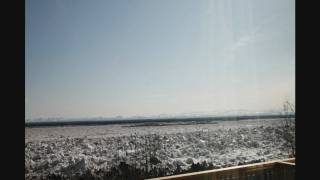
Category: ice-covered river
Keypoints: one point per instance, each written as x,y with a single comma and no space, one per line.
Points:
58,150
47,133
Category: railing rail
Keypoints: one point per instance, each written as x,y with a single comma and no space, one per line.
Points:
271,170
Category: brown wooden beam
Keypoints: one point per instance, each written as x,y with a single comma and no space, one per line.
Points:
229,171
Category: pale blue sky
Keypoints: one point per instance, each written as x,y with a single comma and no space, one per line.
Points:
148,57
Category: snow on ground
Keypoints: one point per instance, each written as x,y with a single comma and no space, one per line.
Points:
65,150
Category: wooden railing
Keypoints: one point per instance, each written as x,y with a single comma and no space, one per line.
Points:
271,170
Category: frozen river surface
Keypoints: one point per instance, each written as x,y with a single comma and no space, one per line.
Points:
71,149
112,130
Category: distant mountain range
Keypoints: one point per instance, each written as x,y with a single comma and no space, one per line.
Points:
164,116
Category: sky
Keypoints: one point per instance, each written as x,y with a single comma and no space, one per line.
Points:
107,58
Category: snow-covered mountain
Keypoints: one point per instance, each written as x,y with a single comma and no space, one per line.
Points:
165,116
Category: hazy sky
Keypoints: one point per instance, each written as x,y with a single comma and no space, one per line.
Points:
147,57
